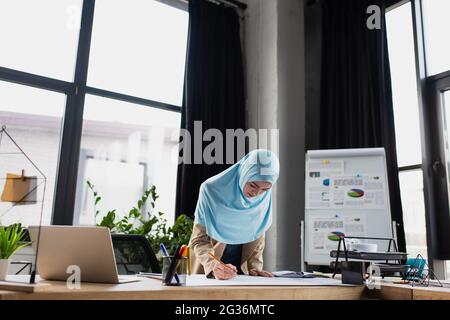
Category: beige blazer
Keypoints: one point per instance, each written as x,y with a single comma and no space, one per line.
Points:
201,244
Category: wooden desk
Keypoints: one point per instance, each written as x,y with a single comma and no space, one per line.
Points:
152,289
391,291
431,293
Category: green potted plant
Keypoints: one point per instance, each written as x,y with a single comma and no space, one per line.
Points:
10,242
144,222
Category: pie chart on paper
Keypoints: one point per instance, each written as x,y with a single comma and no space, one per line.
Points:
355,193
335,236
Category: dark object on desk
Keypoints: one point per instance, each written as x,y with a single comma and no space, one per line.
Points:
293,274
383,268
392,268
134,254
174,272
387,256
153,275
352,272
170,266
375,256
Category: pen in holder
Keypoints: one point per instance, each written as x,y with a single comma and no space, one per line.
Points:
174,270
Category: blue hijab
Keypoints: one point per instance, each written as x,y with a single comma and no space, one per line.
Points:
223,209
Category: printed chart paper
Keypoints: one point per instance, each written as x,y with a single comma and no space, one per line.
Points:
354,191
326,231
318,182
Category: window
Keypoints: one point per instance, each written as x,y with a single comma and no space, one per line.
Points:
125,148
40,37
120,114
411,186
446,108
437,26
429,66
404,86
407,126
139,49
446,113
33,118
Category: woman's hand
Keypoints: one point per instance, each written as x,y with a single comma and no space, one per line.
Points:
222,272
261,273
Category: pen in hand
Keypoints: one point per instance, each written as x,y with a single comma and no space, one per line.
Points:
223,268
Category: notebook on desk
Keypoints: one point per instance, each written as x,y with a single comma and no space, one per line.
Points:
293,274
152,275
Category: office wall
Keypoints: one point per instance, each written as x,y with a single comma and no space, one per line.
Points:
274,54
260,45
291,104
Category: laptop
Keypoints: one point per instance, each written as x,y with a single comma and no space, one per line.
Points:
89,248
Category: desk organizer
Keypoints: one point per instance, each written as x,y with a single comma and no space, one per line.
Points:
393,259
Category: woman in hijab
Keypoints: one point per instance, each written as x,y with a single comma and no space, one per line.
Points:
234,210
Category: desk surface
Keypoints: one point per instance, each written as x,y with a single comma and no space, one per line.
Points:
152,289
392,291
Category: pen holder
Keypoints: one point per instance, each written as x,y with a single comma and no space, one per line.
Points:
174,271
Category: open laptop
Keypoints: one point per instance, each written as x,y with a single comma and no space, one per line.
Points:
89,248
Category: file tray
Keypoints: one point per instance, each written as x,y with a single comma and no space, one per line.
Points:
369,256
394,255
392,268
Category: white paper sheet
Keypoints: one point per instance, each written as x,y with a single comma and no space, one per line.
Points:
355,191
318,175
325,230
242,280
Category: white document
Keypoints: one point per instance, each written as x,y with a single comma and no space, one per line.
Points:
356,191
327,229
242,280
376,191
318,175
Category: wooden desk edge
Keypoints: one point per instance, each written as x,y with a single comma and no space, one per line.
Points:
197,293
150,289
407,292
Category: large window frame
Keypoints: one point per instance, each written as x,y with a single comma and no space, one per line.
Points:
436,186
438,177
67,171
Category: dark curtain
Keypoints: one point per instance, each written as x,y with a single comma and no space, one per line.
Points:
356,97
213,92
